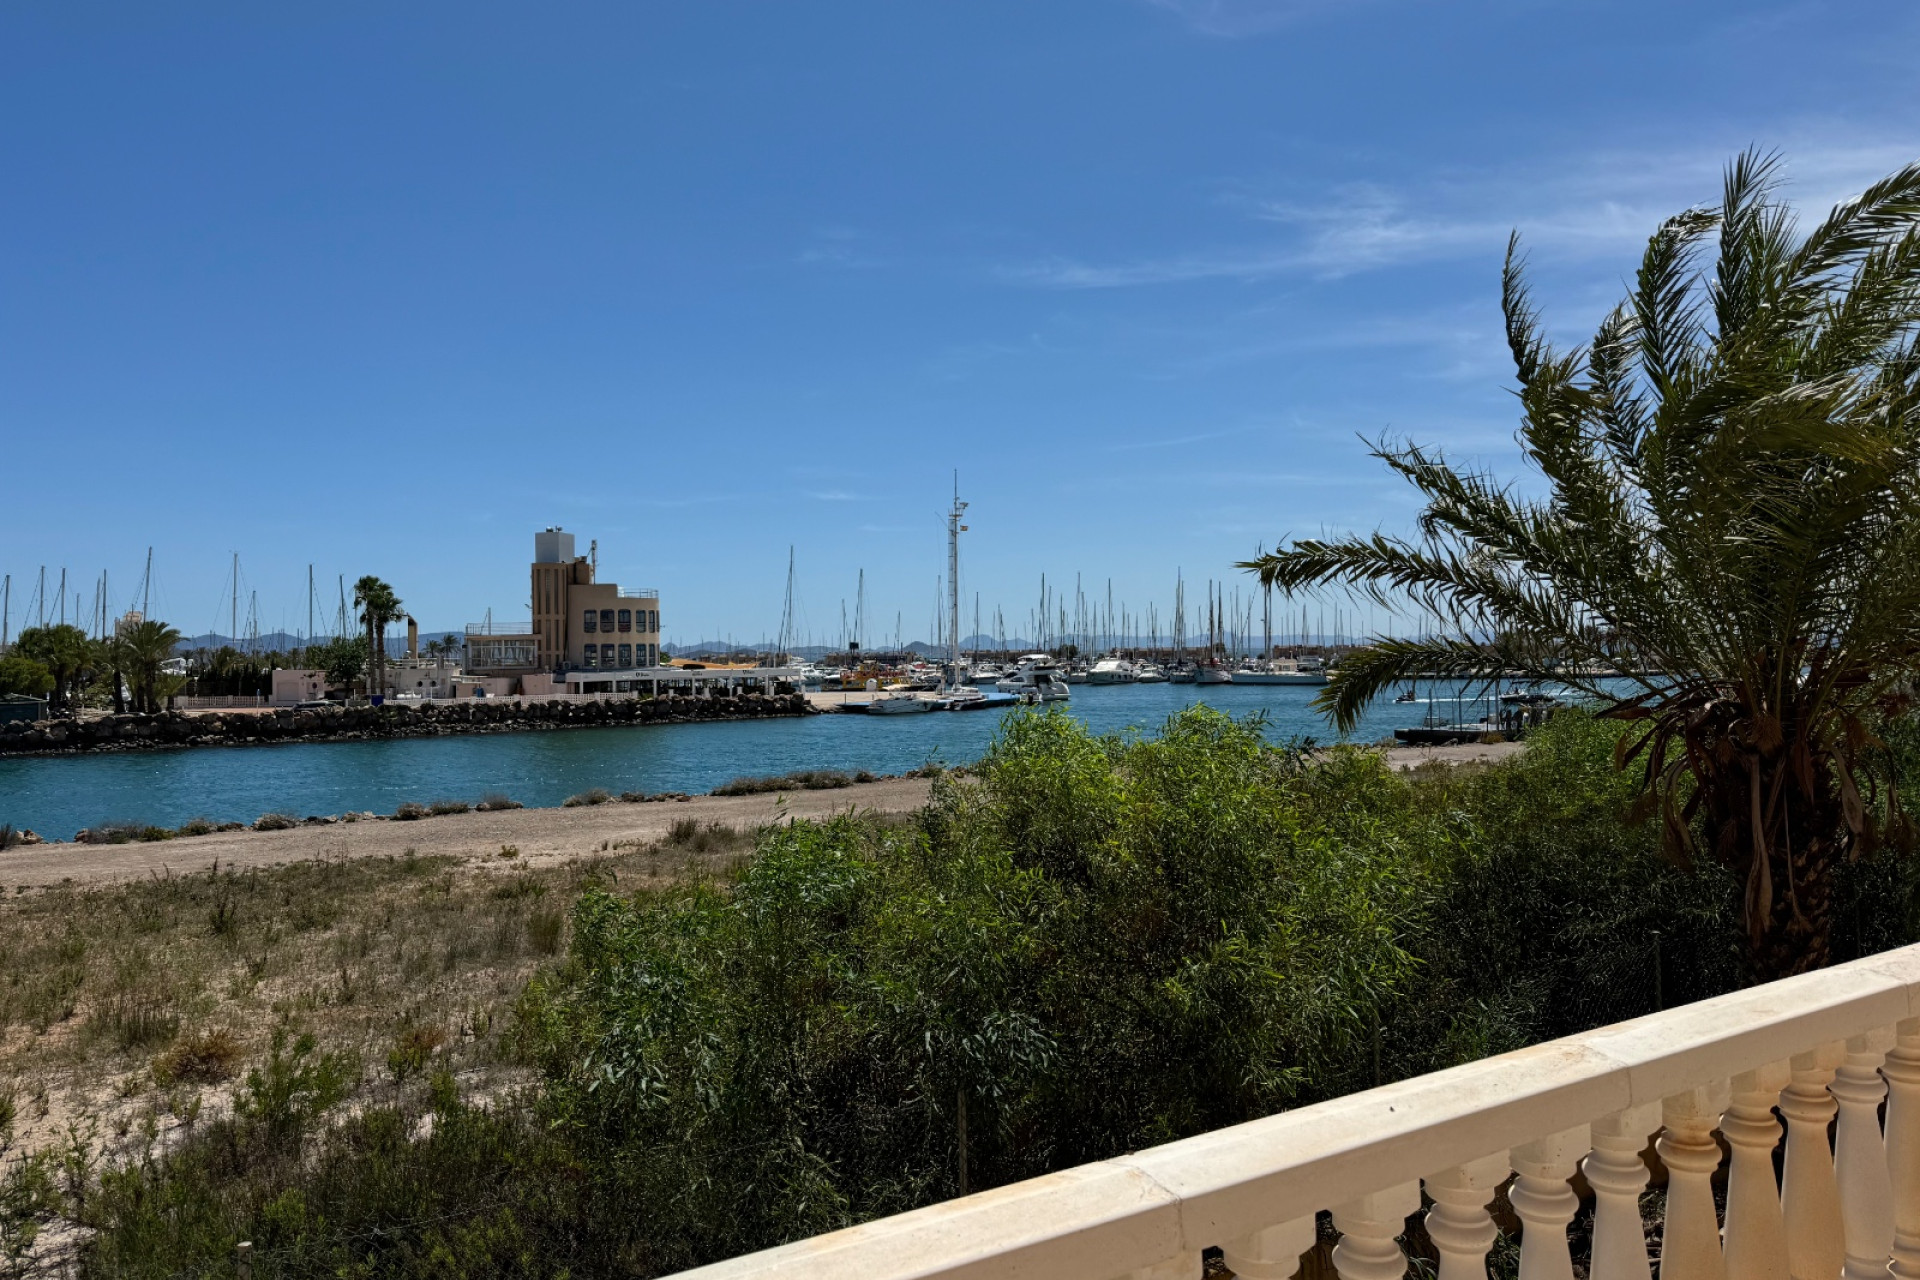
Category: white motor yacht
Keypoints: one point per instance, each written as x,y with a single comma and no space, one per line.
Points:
1037,679
899,704
1279,671
1149,673
1211,673
1112,671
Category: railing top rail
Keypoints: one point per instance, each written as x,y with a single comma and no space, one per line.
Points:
1099,1221
506,629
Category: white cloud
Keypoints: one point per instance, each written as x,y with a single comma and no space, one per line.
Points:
1594,205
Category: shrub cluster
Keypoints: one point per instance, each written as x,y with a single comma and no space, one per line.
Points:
1085,945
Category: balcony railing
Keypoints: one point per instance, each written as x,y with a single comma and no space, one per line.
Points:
1814,1046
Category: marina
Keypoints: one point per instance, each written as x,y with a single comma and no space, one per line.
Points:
57,796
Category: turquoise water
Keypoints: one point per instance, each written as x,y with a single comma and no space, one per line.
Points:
59,795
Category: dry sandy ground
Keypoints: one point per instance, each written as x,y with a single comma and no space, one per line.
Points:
541,835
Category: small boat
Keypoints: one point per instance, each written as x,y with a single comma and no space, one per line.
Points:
1112,671
1211,673
968,698
1180,675
899,704
986,674
1407,695
1149,673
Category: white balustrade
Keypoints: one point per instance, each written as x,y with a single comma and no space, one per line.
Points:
1756,1230
1459,1225
1618,1175
1545,1203
1819,1046
1271,1253
1690,1248
1367,1227
1860,1158
1902,1070
1809,1195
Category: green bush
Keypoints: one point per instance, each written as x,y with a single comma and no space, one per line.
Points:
1092,944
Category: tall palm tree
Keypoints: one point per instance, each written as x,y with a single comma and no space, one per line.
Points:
145,647
378,606
1730,518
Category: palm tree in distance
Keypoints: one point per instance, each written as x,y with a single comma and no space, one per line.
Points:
145,647
378,606
1731,518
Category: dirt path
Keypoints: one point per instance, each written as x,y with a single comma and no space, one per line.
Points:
541,835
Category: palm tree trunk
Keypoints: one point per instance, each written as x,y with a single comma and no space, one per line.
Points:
1789,906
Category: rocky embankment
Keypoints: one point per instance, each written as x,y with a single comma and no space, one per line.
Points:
349,724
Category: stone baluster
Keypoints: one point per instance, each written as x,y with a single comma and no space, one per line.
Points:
1756,1236
1618,1175
1272,1253
1860,1158
1367,1227
1545,1203
1458,1224
1809,1196
1184,1266
1690,1241
1902,1070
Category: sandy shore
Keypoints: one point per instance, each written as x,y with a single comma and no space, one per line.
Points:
541,835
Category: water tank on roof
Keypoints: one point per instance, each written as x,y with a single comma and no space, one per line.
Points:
552,546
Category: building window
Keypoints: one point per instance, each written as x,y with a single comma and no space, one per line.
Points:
592,652
606,655
590,622
626,619
626,656
653,619
606,619
653,655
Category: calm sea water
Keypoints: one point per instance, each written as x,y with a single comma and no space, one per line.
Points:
57,796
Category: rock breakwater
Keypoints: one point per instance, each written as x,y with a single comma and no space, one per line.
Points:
352,724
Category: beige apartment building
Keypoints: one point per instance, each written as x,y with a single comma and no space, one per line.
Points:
578,624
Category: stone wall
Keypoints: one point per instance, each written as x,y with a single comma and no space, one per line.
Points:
348,724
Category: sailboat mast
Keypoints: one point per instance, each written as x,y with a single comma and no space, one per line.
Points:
954,530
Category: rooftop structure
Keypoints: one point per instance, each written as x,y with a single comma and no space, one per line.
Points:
577,624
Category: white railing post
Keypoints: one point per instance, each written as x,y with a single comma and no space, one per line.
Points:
1272,1253
1186,1266
1690,1242
1809,1197
1459,1225
1902,1070
1756,1235
1544,1203
1860,1158
1367,1229
1618,1175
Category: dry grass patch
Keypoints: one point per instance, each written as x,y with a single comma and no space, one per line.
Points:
125,1002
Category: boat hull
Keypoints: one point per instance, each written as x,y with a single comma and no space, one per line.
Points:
898,706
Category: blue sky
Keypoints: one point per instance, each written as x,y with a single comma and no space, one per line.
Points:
386,288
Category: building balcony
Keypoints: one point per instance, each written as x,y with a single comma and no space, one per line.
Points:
1550,1125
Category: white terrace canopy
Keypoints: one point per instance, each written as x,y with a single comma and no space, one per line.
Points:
1812,1046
